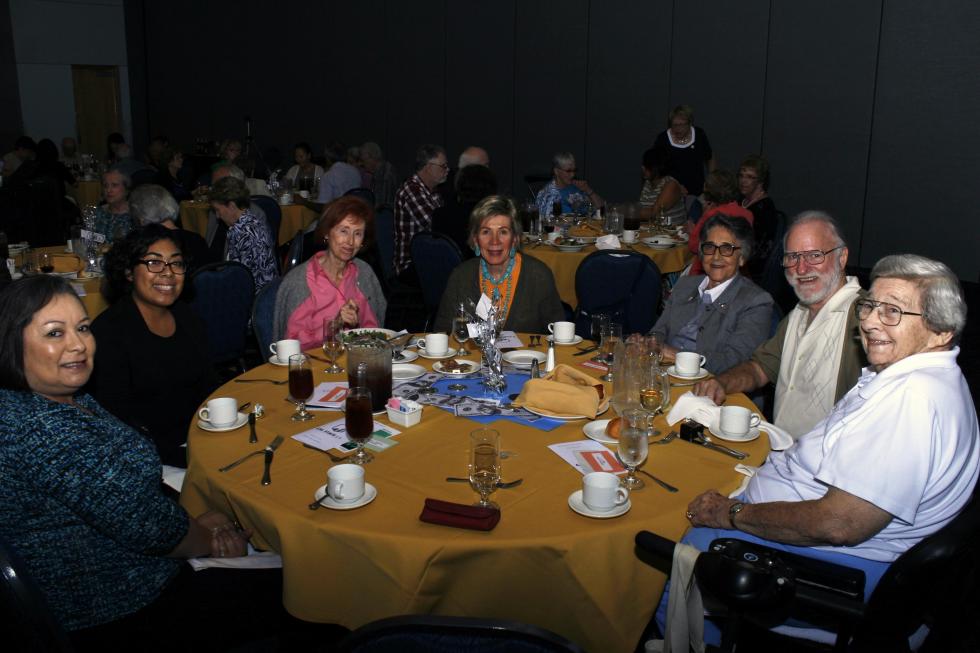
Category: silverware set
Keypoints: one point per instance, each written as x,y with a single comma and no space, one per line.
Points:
269,450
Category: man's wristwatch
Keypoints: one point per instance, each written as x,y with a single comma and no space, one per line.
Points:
733,510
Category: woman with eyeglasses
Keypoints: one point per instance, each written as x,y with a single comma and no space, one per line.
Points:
720,314
152,368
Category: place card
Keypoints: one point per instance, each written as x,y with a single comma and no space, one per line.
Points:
588,456
329,395
333,435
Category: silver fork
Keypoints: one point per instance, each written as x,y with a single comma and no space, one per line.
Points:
272,381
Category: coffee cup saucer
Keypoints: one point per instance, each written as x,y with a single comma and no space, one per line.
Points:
237,424
449,353
575,503
748,437
370,494
275,361
672,370
561,343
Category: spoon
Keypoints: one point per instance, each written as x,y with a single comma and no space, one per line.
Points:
670,437
663,484
333,457
272,381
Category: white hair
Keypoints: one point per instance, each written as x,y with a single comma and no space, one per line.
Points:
940,294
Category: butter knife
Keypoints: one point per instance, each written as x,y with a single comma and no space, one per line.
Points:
272,445
266,475
740,455
583,352
252,438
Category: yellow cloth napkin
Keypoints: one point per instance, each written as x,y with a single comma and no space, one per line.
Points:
563,391
66,263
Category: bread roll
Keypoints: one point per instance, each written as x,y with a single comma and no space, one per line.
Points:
614,426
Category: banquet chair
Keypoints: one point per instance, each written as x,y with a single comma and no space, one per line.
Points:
294,255
29,624
223,293
535,182
926,598
439,634
263,313
273,214
625,285
435,256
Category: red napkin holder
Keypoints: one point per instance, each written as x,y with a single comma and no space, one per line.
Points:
458,515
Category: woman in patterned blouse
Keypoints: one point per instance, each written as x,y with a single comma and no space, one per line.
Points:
112,219
250,240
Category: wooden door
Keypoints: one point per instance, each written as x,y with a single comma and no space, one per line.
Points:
97,106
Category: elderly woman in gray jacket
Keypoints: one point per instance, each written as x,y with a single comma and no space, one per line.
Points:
720,314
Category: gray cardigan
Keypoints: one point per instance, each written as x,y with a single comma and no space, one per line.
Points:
733,326
294,291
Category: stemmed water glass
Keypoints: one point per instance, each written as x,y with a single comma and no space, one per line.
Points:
484,466
333,344
300,385
633,445
598,320
611,335
359,422
460,331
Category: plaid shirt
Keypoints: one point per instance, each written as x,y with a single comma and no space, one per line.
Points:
414,204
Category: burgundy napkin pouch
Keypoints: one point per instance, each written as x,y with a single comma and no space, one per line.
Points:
459,515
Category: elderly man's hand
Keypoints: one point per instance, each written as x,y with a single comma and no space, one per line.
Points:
711,389
710,509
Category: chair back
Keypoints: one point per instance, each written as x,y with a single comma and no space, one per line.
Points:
435,256
222,297
773,277
273,214
294,256
143,176
438,634
263,314
29,624
384,232
535,182
625,285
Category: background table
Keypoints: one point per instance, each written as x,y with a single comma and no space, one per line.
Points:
86,193
565,264
295,217
544,564
89,289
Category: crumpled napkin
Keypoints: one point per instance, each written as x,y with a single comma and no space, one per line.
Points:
609,241
564,391
704,411
253,560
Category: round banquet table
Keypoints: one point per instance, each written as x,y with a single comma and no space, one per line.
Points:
87,192
564,264
88,289
543,564
295,217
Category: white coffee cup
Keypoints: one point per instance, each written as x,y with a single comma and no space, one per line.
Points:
736,420
629,235
434,344
688,363
285,198
562,331
602,492
305,194
220,411
283,349
345,483
553,236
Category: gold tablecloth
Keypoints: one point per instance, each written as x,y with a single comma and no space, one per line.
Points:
543,564
89,289
194,217
86,193
564,264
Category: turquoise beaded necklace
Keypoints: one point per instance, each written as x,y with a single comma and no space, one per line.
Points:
504,278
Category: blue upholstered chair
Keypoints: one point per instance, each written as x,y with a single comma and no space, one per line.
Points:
625,285
435,256
272,213
222,297
263,312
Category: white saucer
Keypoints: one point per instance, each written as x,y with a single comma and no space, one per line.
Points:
748,437
275,361
564,418
693,377
406,371
405,357
523,358
449,354
575,503
559,343
570,248
370,494
237,424
471,368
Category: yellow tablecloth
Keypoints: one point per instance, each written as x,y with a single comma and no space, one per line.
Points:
564,264
544,564
194,217
86,193
89,289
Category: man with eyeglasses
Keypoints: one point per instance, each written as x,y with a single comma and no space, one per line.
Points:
414,204
814,358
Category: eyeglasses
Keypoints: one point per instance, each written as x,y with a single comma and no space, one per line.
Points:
444,166
814,257
725,249
889,314
156,265
569,170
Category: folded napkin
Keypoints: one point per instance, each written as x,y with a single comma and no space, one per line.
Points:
748,471
704,411
252,560
458,515
564,391
609,241
66,263
779,439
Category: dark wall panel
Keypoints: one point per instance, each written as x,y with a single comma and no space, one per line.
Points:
480,83
11,124
629,65
924,161
818,111
718,65
551,84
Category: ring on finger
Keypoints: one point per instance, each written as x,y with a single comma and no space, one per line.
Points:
690,515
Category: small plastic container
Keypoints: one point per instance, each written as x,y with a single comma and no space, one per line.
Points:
410,418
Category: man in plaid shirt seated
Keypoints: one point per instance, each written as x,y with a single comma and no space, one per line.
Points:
414,204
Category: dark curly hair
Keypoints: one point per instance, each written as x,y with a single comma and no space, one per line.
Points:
126,254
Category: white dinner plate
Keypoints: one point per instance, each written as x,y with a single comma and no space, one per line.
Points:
406,356
449,354
566,417
523,358
275,361
237,424
575,503
353,333
406,371
687,377
596,430
571,248
574,341
469,367
370,494
748,437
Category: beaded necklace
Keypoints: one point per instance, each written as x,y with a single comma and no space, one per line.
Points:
500,290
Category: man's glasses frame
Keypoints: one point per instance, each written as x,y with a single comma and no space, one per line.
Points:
812,257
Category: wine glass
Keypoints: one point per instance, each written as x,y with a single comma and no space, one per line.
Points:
633,446
359,422
612,334
484,467
460,331
333,344
300,385
45,263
